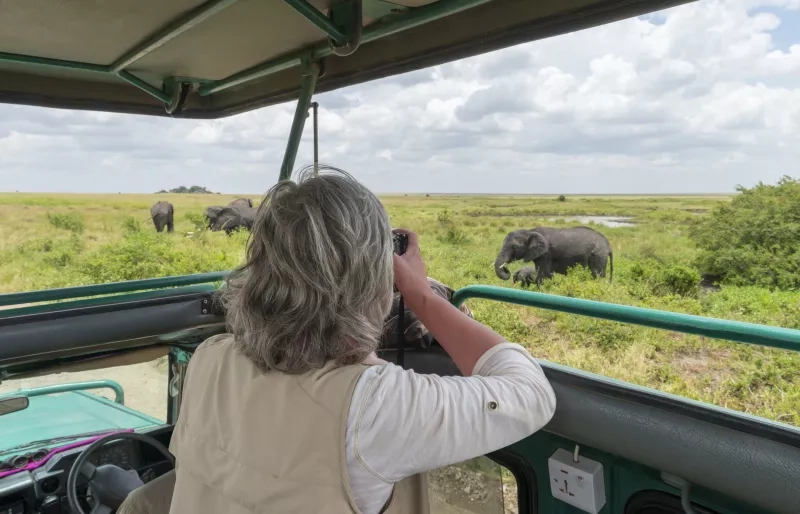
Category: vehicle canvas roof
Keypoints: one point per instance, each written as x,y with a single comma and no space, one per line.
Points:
223,57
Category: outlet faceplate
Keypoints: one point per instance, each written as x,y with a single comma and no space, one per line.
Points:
579,484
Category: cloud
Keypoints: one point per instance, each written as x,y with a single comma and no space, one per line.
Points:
698,98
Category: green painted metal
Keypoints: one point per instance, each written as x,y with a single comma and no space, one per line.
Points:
147,87
119,394
53,63
315,109
67,415
300,115
170,32
106,300
762,335
66,293
319,19
405,21
628,478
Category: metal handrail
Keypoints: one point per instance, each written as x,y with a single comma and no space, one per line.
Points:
762,335
66,293
119,394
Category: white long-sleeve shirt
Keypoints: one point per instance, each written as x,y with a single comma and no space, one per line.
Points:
401,423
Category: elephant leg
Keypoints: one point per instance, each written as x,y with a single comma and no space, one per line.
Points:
170,226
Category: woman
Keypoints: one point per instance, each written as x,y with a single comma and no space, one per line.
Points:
294,412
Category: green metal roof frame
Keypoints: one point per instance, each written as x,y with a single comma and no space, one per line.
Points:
413,34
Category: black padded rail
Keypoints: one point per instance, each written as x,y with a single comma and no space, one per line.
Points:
732,458
86,330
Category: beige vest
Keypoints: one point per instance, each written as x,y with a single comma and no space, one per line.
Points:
248,441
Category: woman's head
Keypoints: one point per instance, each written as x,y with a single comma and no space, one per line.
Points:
317,282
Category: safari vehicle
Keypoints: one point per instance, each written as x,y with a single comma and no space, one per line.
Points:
612,447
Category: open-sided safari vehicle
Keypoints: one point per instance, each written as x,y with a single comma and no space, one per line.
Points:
612,447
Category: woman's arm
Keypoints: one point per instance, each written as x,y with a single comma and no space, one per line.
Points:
402,423
463,338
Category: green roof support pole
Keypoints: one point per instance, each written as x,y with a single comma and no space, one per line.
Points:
310,76
313,15
410,19
315,106
170,32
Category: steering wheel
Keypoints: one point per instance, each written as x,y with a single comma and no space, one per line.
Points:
109,484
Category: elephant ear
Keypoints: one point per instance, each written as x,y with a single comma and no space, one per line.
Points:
535,246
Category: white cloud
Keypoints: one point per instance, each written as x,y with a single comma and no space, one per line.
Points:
695,98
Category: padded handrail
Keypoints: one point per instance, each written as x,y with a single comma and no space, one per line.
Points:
66,293
763,335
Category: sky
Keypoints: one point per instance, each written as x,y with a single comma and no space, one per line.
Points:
695,99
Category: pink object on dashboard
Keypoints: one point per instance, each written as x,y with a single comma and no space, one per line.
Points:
39,463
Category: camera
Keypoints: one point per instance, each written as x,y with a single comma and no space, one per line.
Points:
400,243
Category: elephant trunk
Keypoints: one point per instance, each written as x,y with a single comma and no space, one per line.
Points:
500,266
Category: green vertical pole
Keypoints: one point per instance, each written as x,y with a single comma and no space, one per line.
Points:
300,115
315,106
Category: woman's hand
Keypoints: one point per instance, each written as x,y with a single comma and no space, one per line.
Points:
410,273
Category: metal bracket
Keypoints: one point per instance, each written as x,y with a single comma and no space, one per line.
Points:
350,16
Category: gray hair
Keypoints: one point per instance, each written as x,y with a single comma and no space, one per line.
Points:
317,282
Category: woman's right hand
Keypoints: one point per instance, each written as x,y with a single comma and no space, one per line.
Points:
410,273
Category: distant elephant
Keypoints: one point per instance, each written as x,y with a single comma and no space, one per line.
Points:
212,213
230,218
555,250
241,202
525,276
416,334
163,215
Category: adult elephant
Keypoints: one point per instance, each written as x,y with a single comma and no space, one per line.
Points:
163,215
555,250
241,202
230,218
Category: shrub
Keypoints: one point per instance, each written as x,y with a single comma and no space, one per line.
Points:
68,221
131,224
755,239
562,198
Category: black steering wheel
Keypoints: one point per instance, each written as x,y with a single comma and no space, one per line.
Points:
109,484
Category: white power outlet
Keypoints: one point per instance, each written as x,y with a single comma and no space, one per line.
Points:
579,483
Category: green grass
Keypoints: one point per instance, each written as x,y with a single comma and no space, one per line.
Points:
60,240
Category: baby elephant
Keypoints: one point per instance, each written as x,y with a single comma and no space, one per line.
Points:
525,276
416,334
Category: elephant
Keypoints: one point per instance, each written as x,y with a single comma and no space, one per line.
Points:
416,335
241,202
163,215
212,213
555,250
230,218
525,276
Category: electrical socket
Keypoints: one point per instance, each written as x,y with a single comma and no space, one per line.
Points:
579,484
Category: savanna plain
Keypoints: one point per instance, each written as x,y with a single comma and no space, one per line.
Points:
52,240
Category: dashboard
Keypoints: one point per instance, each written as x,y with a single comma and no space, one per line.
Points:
43,490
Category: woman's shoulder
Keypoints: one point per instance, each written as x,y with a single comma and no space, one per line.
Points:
218,341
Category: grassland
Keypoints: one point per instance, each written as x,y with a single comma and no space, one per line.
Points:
59,240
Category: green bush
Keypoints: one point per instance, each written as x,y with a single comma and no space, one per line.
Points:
754,239
68,221
562,198
660,279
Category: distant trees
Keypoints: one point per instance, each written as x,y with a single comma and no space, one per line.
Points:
192,190
754,239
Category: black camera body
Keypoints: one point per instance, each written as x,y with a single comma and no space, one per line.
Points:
400,243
